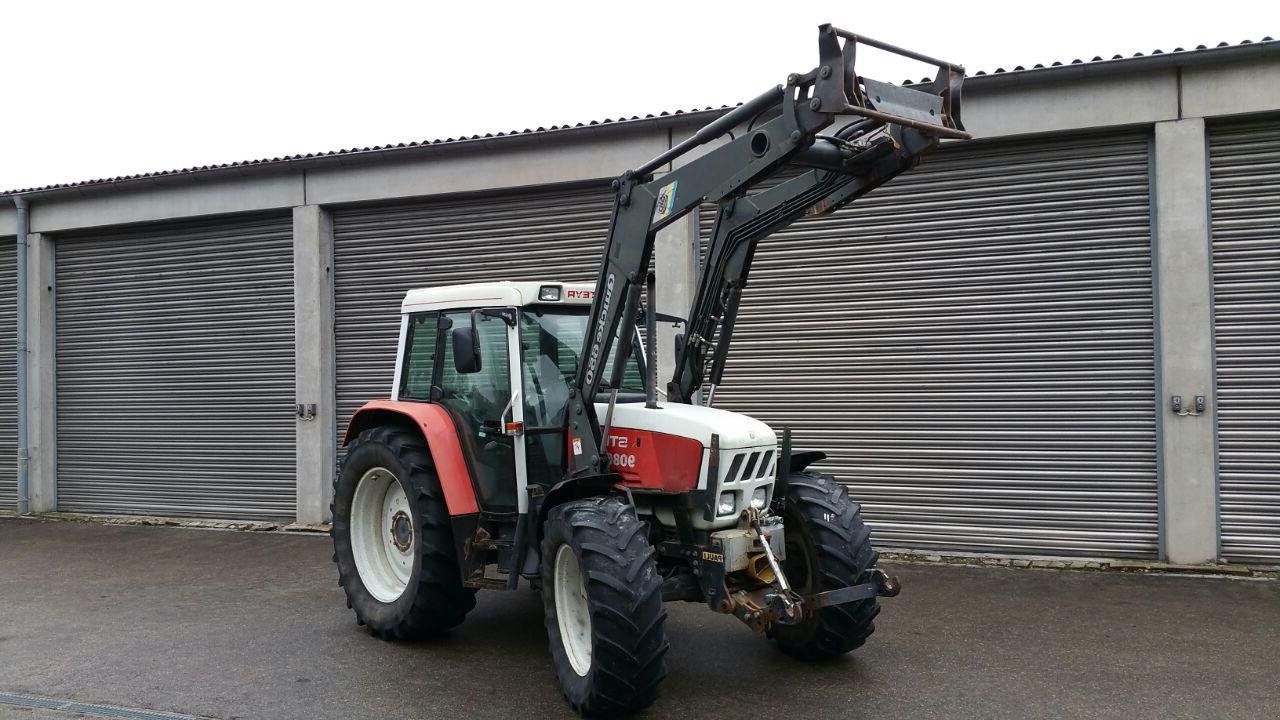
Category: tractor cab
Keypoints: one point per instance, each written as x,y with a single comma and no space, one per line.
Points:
500,358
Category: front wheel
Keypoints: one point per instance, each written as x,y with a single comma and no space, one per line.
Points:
828,548
602,601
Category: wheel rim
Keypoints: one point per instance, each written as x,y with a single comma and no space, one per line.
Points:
382,536
572,612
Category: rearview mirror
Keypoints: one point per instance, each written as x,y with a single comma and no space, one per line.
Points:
466,348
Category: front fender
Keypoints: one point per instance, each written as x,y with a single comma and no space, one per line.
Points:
435,426
803,459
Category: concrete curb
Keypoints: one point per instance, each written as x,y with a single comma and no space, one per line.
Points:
156,521
1146,567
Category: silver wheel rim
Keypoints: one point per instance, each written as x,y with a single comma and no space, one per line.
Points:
382,535
572,612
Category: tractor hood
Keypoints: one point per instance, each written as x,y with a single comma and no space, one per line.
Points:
693,421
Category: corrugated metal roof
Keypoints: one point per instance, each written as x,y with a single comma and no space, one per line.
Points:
614,122
356,151
1113,58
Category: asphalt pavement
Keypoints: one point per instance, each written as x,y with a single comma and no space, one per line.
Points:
230,624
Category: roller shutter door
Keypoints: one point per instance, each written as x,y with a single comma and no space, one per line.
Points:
972,345
382,251
1244,177
175,370
8,375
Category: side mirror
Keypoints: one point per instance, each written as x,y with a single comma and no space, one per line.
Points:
466,348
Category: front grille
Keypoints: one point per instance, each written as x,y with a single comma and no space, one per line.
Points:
748,465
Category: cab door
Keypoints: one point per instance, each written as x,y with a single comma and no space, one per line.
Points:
482,403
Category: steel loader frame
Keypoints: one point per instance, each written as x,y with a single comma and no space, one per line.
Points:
895,126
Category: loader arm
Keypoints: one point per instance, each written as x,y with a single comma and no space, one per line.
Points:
893,127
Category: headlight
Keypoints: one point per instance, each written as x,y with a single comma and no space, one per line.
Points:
549,293
758,497
726,504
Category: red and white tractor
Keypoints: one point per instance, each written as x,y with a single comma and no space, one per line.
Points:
524,436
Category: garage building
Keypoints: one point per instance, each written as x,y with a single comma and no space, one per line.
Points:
988,348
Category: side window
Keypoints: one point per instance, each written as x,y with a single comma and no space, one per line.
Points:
491,386
419,357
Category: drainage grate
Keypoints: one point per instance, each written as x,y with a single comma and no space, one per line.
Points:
71,706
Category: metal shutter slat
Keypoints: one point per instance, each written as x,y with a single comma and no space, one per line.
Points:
384,250
972,345
175,370
1244,197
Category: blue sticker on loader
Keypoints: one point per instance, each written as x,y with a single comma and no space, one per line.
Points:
666,201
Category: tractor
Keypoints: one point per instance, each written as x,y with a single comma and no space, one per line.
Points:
525,436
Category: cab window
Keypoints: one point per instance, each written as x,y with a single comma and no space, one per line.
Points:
419,357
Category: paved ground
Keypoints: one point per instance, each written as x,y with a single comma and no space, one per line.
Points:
253,625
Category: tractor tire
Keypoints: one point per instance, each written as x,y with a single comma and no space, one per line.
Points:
827,547
392,539
602,599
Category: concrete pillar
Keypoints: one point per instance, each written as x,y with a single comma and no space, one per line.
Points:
1189,487
673,261
42,472
313,360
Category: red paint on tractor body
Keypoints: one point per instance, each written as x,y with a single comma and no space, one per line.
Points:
654,460
442,439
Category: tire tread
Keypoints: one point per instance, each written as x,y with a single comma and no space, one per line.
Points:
628,616
845,557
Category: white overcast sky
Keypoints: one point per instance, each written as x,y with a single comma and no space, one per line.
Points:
99,89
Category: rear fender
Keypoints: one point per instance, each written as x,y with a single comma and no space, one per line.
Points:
435,427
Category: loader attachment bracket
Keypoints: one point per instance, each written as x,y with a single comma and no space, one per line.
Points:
932,108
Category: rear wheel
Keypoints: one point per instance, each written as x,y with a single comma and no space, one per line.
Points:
602,600
828,547
392,539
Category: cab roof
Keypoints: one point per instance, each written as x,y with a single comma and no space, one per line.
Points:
505,293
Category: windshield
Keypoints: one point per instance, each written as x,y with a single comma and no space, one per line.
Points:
550,340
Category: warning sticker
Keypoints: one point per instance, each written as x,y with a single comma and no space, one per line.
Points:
666,201
577,446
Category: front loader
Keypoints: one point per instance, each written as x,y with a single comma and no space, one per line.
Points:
524,437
